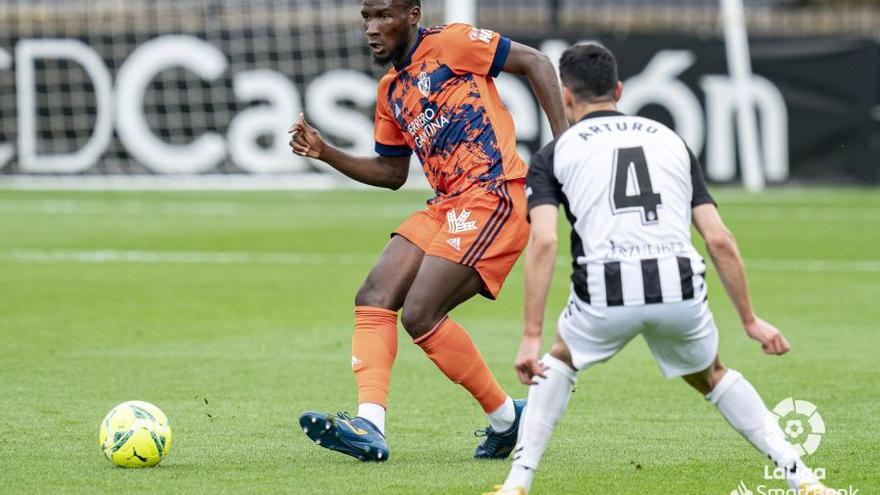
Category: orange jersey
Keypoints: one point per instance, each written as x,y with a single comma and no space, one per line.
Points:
442,103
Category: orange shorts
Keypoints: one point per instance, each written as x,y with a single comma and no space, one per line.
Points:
486,231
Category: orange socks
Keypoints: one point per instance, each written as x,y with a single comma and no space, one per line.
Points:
373,349
448,345
453,351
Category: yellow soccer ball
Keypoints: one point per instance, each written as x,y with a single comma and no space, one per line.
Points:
135,434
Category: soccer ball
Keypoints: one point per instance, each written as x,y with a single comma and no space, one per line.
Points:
135,434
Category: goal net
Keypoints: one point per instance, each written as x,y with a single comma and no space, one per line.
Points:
179,86
146,88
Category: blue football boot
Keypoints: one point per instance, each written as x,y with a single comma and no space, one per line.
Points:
500,445
356,437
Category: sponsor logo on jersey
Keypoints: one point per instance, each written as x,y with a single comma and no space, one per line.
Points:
483,35
621,250
458,223
455,242
423,127
424,84
397,111
355,362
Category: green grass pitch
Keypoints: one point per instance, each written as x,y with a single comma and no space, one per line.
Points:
233,313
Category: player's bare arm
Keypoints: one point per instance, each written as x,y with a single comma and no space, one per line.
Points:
380,171
537,67
725,255
539,265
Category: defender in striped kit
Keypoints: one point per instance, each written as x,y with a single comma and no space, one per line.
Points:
631,189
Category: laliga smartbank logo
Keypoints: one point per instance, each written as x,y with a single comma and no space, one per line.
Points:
742,489
804,428
802,424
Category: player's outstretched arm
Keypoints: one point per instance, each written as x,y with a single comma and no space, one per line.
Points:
725,255
379,171
539,266
537,67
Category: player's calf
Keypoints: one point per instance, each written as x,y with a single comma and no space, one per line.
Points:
450,347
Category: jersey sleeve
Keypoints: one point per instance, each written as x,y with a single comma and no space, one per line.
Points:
389,138
542,186
470,49
701,194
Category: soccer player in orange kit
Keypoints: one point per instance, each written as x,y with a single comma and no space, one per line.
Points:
439,101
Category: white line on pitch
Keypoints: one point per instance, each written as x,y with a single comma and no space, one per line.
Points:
299,209
96,207
184,257
804,214
788,265
298,258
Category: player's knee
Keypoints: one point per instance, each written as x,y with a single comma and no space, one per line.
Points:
374,296
418,319
706,380
714,374
698,382
561,352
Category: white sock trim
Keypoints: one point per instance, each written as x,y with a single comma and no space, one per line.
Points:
727,381
503,418
374,413
559,366
504,407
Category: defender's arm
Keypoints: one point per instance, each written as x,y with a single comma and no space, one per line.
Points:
381,171
725,255
537,67
539,265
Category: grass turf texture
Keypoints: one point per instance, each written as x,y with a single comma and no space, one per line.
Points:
233,347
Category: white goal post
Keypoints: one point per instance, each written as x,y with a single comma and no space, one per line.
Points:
460,11
740,67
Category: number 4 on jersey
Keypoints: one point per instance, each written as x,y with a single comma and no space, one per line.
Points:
630,163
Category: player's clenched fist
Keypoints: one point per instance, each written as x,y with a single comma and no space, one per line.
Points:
771,339
305,140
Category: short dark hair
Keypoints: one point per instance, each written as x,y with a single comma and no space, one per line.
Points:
589,70
413,3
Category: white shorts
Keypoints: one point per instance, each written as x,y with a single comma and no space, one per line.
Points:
682,335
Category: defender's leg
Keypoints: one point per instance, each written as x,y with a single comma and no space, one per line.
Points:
585,336
742,407
548,400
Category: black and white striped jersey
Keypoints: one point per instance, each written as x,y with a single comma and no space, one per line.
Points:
628,185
